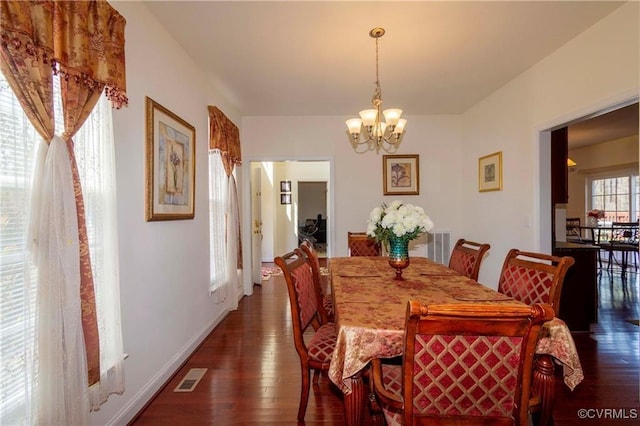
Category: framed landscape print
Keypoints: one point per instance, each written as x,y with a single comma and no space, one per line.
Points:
401,174
170,165
490,172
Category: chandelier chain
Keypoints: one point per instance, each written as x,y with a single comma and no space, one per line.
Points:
376,132
376,100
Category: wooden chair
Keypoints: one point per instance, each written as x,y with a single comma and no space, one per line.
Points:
573,230
466,257
623,239
325,307
360,244
534,277
463,364
316,351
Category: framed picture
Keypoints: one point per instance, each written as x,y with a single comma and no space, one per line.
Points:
285,198
170,165
401,174
285,186
490,172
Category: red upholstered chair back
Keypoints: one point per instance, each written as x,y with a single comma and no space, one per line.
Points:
315,351
325,305
302,292
469,362
360,244
467,256
534,277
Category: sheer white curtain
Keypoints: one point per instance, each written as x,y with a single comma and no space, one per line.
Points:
233,236
222,225
96,161
49,324
218,200
61,394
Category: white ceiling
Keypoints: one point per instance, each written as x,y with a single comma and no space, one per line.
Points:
317,58
617,124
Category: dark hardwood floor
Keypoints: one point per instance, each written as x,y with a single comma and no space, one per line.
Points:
253,372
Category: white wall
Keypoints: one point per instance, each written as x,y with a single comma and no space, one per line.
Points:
356,179
597,69
164,266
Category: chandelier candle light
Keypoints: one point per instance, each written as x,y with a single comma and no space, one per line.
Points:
395,225
377,131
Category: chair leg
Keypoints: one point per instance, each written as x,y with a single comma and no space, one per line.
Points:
316,376
377,418
304,392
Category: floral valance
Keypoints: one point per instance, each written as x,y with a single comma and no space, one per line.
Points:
224,136
82,40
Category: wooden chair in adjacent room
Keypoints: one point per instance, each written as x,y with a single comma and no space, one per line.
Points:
467,256
360,244
623,240
452,357
316,350
534,277
325,307
574,230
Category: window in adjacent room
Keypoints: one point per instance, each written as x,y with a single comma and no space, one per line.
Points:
618,195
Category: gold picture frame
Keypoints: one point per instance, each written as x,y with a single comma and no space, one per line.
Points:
401,174
170,165
490,172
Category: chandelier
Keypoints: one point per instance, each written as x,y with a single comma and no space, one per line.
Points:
377,132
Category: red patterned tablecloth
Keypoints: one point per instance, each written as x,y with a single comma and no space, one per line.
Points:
370,312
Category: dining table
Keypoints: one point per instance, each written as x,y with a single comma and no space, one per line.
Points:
370,308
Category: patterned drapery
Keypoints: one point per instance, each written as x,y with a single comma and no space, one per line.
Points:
224,136
83,42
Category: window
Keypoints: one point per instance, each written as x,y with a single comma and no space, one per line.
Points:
618,195
94,156
17,279
218,194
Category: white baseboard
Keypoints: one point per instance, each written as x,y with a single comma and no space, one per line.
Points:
140,399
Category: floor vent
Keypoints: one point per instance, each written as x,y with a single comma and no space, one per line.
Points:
190,381
439,246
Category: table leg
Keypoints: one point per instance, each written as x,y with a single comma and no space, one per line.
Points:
354,402
544,385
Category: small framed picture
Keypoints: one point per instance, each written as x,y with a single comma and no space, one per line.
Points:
285,186
285,198
490,172
401,174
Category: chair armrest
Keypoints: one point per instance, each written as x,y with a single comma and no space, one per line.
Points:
385,396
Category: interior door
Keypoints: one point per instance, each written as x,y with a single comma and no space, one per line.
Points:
312,204
256,226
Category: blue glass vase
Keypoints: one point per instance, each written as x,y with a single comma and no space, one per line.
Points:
398,255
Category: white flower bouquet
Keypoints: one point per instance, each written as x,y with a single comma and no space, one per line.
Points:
398,220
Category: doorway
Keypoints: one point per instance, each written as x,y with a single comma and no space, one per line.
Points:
290,191
602,144
312,214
